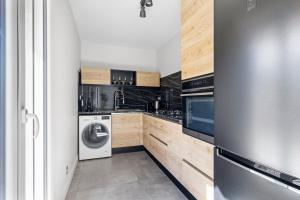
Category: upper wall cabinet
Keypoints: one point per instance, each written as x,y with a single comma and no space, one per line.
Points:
95,76
148,79
197,49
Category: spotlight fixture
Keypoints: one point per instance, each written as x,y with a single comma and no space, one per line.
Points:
143,12
144,4
148,3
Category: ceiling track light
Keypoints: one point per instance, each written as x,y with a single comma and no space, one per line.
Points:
144,4
149,3
143,12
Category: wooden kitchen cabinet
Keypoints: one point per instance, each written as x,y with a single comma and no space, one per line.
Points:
198,153
146,132
173,164
159,129
188,159
127,130
148,79
197,167
197,45
174,149
162,138
158,148
197,182
95,76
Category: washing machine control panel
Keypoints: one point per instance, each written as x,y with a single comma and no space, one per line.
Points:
105,117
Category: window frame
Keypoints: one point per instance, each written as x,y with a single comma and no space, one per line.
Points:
2,97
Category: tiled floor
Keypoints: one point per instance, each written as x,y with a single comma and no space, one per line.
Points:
131,176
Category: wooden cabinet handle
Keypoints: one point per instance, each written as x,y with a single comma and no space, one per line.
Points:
158,139
197,169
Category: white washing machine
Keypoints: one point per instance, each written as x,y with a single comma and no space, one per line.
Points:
94,136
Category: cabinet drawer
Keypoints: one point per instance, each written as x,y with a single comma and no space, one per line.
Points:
174,164
147,142
164,130
198,153
196,181
159,134
158,148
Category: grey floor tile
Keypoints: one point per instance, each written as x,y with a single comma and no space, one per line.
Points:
130,176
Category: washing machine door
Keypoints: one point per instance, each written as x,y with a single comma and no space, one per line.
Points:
95,135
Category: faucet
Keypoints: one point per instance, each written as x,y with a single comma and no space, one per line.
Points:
118,94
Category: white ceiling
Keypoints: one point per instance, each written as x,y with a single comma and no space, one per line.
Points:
117,22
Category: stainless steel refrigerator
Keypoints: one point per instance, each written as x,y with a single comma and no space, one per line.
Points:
257,99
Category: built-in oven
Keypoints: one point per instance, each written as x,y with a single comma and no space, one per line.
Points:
198,107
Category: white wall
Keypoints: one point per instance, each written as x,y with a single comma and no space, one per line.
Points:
117,57
168,57
64,63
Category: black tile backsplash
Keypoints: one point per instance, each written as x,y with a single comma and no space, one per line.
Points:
135,97
102,97
171,91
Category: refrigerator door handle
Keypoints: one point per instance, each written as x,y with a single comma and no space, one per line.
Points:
197,94
258,174
231,161
296,182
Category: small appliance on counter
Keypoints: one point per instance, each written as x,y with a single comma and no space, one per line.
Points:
198,107
157,105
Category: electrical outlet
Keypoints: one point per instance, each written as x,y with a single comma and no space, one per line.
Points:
67,170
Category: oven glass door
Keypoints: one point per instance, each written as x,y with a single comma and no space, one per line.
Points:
198,113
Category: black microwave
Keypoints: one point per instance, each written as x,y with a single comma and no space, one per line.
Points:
198,107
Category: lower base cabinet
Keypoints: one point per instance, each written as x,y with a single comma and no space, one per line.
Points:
189,160
174,165
198,183
127,129
158,149
198,153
